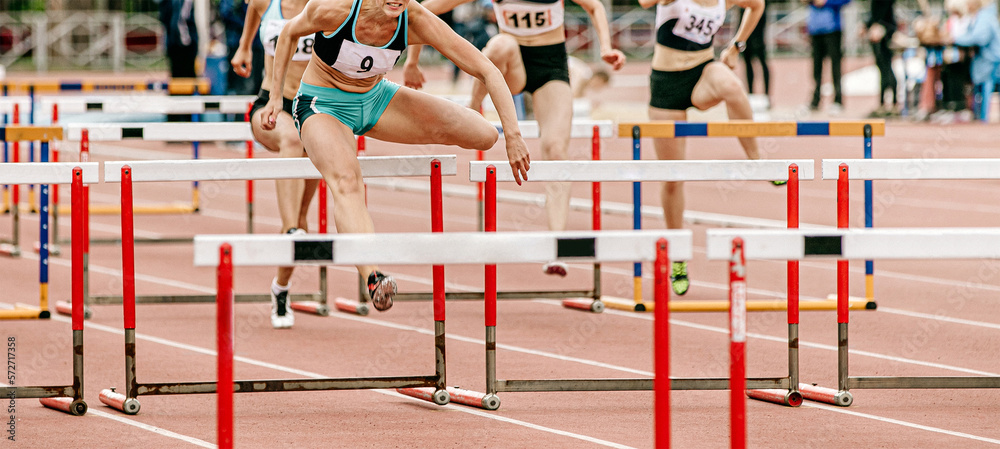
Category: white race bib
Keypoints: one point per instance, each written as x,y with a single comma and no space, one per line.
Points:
361,61
698,24
304,49
528,19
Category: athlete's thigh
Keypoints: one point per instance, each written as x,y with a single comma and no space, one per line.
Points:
505,53
553,106
415,117
331,146
717,80
667,148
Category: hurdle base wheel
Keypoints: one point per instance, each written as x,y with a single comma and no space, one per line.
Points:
441,397
53,249
118,401
9,250
486,401
313,307
68,405
790,398
587,304
66,308
351,306
826,395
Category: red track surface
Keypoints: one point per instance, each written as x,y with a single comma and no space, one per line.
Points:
935,318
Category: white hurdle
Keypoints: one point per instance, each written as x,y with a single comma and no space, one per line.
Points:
147,104
580,129
864,244
436,248
913,169
644,171
174,132
127,172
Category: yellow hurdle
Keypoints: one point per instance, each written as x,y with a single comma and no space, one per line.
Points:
757,305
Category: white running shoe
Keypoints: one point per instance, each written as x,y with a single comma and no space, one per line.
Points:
281,311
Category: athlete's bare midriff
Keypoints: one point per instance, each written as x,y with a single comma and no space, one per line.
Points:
292,77
556,36
672,60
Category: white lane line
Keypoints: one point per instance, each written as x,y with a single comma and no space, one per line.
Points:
845,411
247,360
154,429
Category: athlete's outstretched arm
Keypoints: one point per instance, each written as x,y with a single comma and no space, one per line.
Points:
426,28
307,22
243,58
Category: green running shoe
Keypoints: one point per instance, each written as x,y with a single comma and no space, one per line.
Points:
679,278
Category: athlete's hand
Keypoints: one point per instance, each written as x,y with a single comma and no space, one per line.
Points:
242,62
517,155
269,113
615,58
413,77
730,56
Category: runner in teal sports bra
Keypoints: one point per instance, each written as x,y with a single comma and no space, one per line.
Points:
344,91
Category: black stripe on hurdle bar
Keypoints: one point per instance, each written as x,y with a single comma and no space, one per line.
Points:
823,245
314,251
131,133
212,105
576,247
95,106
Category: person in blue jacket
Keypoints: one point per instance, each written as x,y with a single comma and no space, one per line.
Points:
826,36
983,34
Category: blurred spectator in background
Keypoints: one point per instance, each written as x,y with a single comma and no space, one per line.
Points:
878,30
233,13
954,60
181,34
983,35
177,17
826,36
757,49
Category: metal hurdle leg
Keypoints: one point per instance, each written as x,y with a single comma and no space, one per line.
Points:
68,399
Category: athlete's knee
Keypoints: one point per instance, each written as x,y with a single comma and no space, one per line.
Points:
345,182
672,188
291,146
500,48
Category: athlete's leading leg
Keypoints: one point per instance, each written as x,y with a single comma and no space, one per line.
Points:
505,53
554,112
719,83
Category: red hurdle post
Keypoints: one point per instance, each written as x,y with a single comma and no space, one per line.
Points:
224,342
737,346
840,396
75,405
128,402
247,118
790,397
661,345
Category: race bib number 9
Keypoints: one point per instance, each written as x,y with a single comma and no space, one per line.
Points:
361,61
697,25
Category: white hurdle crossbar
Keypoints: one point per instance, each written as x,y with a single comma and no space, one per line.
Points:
174,132
272,168
440,248
913,169
580,129
639,171
148,104
864,244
